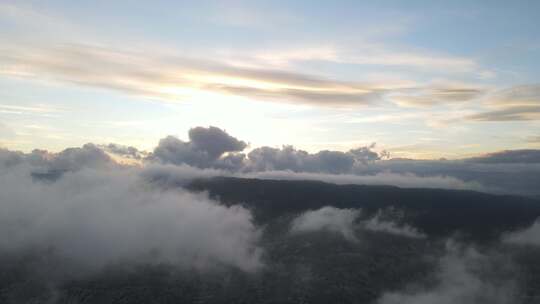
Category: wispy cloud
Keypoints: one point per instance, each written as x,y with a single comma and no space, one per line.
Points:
511,104
437,95
38,109
179,78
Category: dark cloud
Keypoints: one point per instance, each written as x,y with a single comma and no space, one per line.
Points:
212,149
288,158
205,149
214,141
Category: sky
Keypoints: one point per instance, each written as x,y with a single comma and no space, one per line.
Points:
422,79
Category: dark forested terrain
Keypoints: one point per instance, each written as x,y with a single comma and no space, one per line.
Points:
323,266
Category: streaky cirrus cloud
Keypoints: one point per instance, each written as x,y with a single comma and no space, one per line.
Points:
177,78
437,95
180,78
511,104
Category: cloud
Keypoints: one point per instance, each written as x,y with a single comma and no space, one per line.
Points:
515,113
328,218
214,141
288,158
510,175
176,78
186,77
123,151
378,223
528,236
525,156
404,180
448,95
93,217
523,95
514,171
459,280
512,104
205,149
214,148
369,54
69,160
344,222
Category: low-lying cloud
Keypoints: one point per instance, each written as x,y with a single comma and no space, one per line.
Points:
94,217
527,236
328,218
346,221
377,223
458,280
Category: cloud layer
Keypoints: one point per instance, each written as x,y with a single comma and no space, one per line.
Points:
220,154
95,216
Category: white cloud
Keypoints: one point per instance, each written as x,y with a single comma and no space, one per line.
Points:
404,180
376,223
92,217
327,219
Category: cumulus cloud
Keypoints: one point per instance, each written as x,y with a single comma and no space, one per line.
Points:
328,218
289,158
378,223
123,151
205,148
514,171
458,280
96,216
214,141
